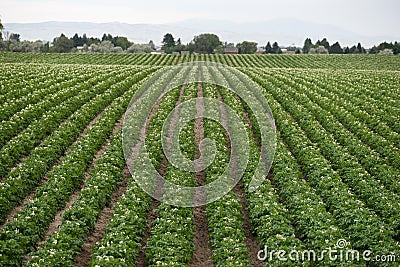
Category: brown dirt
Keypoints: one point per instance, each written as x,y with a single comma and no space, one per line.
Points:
152,213
202,252
250,239
22,159
44,180
58,218
101,224
56,223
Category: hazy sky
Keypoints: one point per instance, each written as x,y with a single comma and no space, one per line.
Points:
367,17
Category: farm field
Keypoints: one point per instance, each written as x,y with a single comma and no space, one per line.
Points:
67,197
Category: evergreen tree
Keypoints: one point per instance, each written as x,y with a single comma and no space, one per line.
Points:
325,43
276,49
336,49
354,50
268,48
360,49
84,39
107,37
307,45
76,40
152,45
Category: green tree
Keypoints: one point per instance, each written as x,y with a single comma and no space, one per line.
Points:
77,40
62,44
168,40
346,50
206,43
122,42
354,50
307,45
178,46
92,40
168,43
276,49
46,47
324,42
336,49
15,37
152,45
107,37
247,47
84,39
268,48
396,48
360,48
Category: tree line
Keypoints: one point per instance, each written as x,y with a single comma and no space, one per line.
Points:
206,43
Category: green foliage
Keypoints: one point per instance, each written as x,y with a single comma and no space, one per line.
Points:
122,42
276,49
395,47
168,40
15,37
307,45
318,50
268,48
324,42
206,43
247,47
62,44
336,49
140,48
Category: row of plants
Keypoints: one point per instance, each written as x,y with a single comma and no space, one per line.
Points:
29,225
79,220
384,202
23,179
172,232
371,62
122,240
368,128
365,229
21,86
225,221
378,87
377,166
65,103
285,208
36,111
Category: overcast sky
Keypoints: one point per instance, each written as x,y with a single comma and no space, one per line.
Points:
367,17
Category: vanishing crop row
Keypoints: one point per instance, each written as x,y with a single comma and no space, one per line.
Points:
65,103
366,229
31,223
372,62
22,180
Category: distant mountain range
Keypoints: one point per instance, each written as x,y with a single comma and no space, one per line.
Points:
285,31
